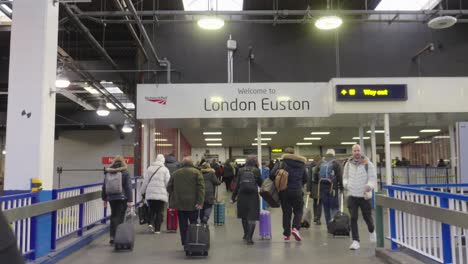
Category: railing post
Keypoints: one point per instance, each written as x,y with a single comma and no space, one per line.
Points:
394,245
379,223
393,175
81,215
53,238
425,175
447,174
408,175
446,235
42,228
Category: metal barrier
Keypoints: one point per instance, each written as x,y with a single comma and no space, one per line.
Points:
83,209
419,175
429,219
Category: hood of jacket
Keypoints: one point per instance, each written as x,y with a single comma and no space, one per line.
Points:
208,170
116,167
293,160
159,160
170,159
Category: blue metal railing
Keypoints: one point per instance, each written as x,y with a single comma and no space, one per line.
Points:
435,240
420,175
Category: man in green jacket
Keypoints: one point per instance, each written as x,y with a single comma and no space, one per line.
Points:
187,189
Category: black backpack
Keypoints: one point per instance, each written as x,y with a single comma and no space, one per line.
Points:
247,182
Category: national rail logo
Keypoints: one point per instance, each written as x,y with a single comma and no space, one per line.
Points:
162,100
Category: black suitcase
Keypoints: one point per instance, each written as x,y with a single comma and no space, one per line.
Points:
339,224
125,235
198,240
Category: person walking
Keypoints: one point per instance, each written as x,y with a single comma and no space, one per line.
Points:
360,178
211,181
247,198
228,174
154,191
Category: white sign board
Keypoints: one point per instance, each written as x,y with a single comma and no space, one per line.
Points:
234,100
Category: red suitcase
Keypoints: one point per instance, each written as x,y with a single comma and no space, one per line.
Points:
172,220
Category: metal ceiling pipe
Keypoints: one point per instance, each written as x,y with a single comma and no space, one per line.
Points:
93,41
132,30
269,13
147,39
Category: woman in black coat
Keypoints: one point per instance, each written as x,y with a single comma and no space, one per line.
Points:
248,200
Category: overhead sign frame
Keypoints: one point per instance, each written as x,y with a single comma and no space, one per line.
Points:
371,92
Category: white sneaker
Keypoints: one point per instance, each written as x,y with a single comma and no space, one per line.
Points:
355,245
151,228
373,237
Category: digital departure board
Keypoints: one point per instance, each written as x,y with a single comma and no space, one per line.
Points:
372,93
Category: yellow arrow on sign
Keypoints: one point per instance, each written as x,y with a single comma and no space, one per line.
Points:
343,92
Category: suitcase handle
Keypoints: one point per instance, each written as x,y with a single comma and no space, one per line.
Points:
342,202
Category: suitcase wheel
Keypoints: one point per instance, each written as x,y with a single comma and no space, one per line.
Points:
205,253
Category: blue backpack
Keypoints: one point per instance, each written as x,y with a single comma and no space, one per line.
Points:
326,170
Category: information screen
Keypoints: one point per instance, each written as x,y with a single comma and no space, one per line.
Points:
372,93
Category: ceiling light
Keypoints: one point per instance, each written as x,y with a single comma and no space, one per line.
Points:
304,143
320,133
429,131
240,160
129,105
406,5
102,109
216,99
164,145
213,139
422,142
91,90
157,133
358,138
283,98
114,90
211,23
214,144
205,5
328,22
395,142
127,127
268,132
4,152
376,131
212,133
442,22
263,139
348,143
261,144
62,82
111,106
160,139
442,137
409,137
7,8
106,83
312,138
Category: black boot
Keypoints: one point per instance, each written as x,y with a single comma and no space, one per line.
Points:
250,234
245,225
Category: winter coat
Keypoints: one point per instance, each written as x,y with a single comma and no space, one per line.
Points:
295,166
229,171
156,189
248,205
336,167
172,164
356,177
186,188
126,184
9,252
210,185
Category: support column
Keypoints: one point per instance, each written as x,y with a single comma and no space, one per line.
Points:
453,155
145,146
31,107
152,143
259,144
179,155
374,148
361,139
388,158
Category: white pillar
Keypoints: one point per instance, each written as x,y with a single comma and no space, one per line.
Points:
179,155
361,139
374,147
388,158
259,144
453,156
152,143
145,145
32,74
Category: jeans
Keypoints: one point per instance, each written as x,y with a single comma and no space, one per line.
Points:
156,210
354,203
330,203
206,212
228,183
291,202
184,218
118,209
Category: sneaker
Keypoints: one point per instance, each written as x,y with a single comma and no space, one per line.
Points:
355,245
111,242
287,239
373,237
151,228
296,234
157,232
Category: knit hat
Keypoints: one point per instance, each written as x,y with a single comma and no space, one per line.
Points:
205,165
289,150
330,152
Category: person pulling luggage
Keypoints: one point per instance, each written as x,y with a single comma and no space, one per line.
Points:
246,195
211,181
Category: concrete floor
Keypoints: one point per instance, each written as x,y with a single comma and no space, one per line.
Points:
227,247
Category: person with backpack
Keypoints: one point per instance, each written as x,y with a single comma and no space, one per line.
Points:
290,176
228,174
328,176
360,178
154,191
246,194
210,186
117,190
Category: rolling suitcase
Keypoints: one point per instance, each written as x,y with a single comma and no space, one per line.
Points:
306,215
172,220
219,211
198,240
125,234
265,225
339,224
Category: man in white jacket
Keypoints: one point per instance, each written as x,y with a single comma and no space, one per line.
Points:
154,189
360,178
